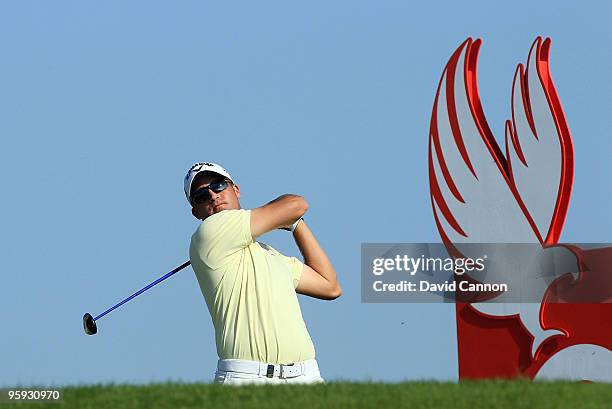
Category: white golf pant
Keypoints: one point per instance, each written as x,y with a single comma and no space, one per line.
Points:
240,372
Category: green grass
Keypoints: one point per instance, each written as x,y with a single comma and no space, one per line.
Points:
468,395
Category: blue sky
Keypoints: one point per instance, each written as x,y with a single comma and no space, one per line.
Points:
105,105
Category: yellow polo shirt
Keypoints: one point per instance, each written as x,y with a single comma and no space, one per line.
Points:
249,289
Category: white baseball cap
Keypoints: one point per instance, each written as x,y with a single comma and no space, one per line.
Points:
203,167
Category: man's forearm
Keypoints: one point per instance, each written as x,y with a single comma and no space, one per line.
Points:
280,212
314,255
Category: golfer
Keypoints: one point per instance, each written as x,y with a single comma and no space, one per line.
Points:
249,287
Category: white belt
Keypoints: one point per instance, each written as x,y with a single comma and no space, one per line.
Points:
269,370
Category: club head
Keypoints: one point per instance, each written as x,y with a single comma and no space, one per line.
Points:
89,324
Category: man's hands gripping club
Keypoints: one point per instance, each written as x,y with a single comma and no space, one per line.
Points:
319,276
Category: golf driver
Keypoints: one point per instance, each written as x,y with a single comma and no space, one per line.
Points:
89,322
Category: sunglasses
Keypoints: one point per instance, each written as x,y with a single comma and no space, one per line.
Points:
203,194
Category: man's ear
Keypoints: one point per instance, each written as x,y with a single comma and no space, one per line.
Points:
195,213
237,190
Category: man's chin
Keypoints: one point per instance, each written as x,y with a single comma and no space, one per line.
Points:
219,208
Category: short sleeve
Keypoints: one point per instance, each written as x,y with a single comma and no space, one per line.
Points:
220,236
296,270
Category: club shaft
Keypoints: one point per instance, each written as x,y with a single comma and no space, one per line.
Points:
159,280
